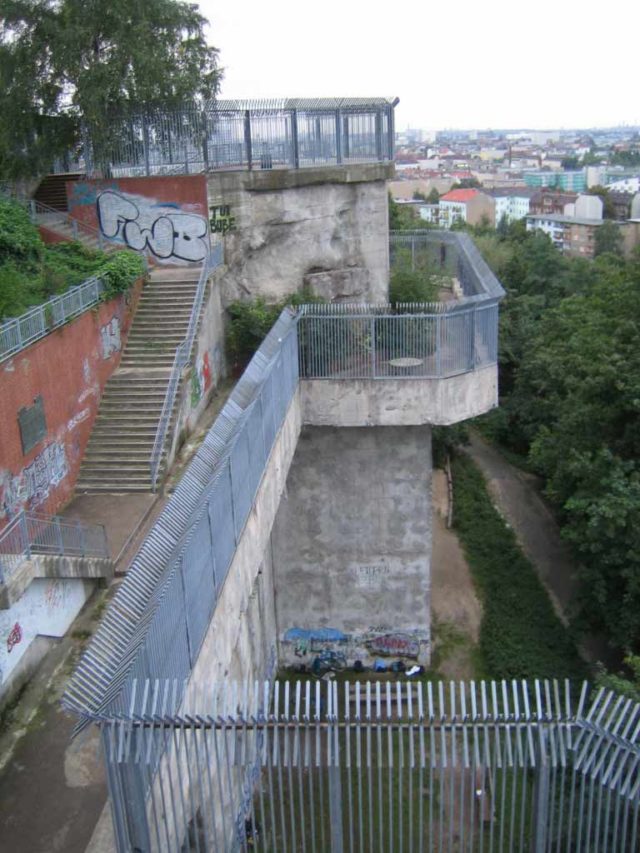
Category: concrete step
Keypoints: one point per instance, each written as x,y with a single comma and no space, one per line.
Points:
109,456
110,487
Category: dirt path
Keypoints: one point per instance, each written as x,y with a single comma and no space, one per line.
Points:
455,609
517,497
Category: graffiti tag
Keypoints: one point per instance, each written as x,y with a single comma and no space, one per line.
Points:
221,220
110,337
34,483
396,645
15,637
143,225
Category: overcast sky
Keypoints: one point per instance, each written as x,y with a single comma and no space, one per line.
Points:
497,63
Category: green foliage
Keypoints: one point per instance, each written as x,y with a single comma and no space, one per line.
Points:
105,58
120,271
570,405
19,238
629,158
414,278
434,196
251,320
625,683
608,239
403,217
520,635
608,207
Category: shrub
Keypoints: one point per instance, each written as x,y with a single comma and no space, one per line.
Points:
19,237
120,271
520,634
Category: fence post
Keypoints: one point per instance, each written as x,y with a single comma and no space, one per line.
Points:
379,135
338,136
294,139
59,532
24,529
335,792
373,346
438,345
345,137
205,142
247,139
145,145
541,799
81,538
392,134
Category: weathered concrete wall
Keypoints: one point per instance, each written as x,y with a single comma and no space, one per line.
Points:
352,545
47,608
398,402
326,228
209,366
240,640
68,369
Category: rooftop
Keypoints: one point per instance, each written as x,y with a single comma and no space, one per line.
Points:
460,195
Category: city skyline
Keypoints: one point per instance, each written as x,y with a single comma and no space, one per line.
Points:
471,68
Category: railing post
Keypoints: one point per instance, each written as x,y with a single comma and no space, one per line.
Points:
32,210
24,529
373,346
472,342
392,135
145,145
541,799
345,137
81,538
438,345
338,136
205,142
379,135
247,139
294,139
59,533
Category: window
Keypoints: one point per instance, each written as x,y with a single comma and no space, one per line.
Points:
33,427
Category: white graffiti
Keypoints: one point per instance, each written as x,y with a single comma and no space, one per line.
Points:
78,419
86,370
143,224
110,336
33,484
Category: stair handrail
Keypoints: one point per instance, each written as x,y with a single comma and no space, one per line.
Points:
32,533
77,227
182,357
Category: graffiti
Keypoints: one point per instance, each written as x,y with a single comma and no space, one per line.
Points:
110,337
326,660
221,220
204,370
371,575
86,371
196,388
54,595
34,483
143,224
78,419
396,645
15,637
201,378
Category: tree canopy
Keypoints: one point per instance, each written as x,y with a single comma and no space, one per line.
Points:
62,59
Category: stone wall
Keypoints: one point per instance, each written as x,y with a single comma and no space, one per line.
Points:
352,546
326,228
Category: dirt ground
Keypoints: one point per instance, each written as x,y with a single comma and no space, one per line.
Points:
455,609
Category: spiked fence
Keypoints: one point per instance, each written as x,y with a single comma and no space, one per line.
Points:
322,766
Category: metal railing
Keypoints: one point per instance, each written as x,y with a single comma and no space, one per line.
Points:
34,533
19,332
162,609
63,223
182,358
417,341
523,767
257,134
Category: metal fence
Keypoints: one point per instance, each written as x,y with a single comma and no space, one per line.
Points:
396,342
158,618
213,259
19,332
402,766
63,223
255,134
33,533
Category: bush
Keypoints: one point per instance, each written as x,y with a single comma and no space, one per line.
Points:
120,271
19,237
520,634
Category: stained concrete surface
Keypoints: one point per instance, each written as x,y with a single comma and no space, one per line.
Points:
120,514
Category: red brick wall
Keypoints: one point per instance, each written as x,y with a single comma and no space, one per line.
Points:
69,369
167,217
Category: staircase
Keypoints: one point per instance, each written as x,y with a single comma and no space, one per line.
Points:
52,191
117,456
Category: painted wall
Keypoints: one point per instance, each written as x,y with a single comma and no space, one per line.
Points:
166,217
352,547
47,608
209,365
326,228
69,369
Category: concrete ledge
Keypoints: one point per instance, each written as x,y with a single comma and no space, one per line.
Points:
51,566
279,179
398,402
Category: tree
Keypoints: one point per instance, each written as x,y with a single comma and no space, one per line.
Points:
608,239
403,217
61,60
608,207
434,196
570,163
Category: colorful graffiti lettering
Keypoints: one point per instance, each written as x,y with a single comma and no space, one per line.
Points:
400,645
110,337
33,485
143,225
221,220
15,637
